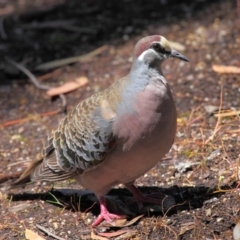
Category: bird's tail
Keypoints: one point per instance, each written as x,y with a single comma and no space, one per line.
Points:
25,177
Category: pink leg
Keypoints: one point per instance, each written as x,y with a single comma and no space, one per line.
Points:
105,214
140,198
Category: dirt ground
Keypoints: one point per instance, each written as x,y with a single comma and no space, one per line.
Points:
200,173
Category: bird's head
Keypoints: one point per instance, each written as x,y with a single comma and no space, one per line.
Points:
154,49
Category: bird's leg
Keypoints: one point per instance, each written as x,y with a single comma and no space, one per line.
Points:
105,214
155,198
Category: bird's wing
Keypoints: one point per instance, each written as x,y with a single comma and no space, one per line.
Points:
81,142
84,138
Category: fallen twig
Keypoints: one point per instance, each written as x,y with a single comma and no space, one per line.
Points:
52,74
47,24
4,177
35,81
83,58
48,232
238,7
2,30
64,24
233,131
227,114
21,120
28,73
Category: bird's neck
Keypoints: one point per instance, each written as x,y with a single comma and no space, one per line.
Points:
121,95
143,74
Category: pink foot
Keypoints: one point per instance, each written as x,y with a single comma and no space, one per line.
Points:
104,214
155,198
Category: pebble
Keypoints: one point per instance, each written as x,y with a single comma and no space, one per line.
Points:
236,232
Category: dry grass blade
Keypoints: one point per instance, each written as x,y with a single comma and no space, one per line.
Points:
62,62
218,124
48,232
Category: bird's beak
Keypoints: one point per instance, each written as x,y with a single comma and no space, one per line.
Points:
176,54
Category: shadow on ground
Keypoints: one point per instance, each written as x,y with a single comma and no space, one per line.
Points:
185,198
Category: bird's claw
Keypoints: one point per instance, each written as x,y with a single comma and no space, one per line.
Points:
109,217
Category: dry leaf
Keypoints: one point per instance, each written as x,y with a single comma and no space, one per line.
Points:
225,69
4,237
30,235
121,222
68,87
19,207
186,227
130,234
113,234
133,221
96,237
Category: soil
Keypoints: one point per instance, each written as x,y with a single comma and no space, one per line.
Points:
201,172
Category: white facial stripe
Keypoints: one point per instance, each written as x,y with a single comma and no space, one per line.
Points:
141,57
165,44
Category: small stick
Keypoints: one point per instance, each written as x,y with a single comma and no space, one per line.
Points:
21,120
238,8
4,178
62,62
227,114
48,232
2,30
52,74
35,81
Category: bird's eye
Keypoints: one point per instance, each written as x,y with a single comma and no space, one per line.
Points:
159,48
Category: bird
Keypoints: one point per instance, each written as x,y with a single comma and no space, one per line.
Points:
116,135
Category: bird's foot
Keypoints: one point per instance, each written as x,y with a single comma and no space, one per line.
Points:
105,214
139,198
109,217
